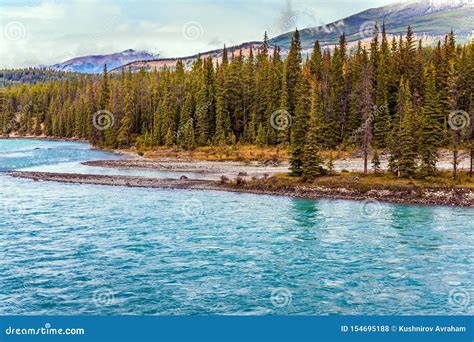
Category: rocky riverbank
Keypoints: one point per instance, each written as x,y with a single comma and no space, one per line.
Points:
252,169
211,169
431,196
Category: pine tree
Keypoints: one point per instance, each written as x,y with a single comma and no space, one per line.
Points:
376,162
261,139
312,162
293,71
414,90
104,137
407,143
299,128
337,126
401,151
104,91
382,119
330,164
223,126
316,61
364,106
431,130
248,98
284,137
124,133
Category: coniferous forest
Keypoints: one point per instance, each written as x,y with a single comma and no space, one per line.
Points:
391,94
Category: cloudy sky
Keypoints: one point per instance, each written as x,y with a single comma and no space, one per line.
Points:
44,32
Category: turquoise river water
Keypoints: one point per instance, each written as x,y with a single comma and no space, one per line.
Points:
68,249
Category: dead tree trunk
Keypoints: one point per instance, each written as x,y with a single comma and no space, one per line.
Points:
472,157
455,163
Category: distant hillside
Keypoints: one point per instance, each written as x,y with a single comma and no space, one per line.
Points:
95,64
428,19
187,61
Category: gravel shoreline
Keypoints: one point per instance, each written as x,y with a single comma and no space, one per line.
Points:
435,196
212,169
250,170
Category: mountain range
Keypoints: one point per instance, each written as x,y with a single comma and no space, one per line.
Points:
95,64
429,19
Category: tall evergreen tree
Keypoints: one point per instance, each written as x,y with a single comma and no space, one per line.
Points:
299,127
312,162
431,129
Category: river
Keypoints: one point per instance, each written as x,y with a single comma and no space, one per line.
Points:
68,249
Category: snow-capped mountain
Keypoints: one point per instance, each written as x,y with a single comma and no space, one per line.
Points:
95,63
429,19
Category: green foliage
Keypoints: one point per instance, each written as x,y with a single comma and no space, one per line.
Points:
376,162
395,95
37,75
312,162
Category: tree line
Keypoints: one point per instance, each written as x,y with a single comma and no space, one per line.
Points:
35,75
391,94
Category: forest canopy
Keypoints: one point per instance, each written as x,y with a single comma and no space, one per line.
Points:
391,94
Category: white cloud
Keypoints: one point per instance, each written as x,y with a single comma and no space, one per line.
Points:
47,32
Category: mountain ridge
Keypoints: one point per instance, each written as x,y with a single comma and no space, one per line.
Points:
95,63
429,19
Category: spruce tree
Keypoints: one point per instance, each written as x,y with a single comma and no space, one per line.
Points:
316,61
124,133
293,71
431,129
299,127
382,118
376,162
407,143
312,162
